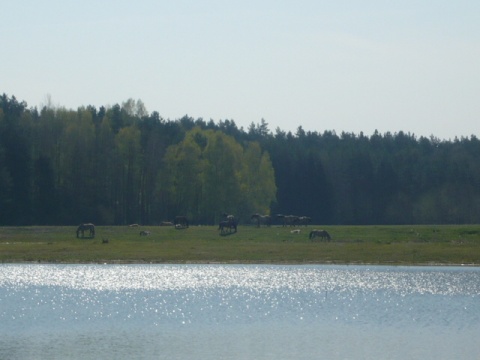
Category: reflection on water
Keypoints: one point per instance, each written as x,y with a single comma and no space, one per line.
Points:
238,312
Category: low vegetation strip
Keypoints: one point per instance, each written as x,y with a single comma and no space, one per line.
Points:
400,245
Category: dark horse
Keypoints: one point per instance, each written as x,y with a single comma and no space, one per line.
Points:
262,219
86,227
322,234
227,226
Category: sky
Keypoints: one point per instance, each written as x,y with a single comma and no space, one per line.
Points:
343,66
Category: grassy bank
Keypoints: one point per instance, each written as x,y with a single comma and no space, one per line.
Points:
426,244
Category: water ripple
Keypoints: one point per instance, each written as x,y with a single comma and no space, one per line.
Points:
53,309
262,278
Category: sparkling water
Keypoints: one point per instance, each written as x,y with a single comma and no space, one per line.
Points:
238,312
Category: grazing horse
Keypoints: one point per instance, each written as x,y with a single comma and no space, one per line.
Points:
84,227
322,234
262,219
180,222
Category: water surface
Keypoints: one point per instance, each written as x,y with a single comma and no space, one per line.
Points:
238,312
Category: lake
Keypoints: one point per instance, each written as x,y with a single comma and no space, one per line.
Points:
238,312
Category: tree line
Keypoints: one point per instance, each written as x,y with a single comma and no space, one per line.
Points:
122,165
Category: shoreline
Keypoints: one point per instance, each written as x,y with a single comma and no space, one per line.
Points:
266,262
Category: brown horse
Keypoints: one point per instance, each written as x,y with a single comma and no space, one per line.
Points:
86,227
303,220
322,234
228,225
262,219
288,220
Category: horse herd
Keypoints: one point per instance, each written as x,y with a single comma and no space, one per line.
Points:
285,220
228,225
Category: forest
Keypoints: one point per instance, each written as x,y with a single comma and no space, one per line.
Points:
119,164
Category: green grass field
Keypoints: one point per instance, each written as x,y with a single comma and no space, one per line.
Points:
404,245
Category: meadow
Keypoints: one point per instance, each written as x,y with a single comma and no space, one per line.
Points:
391,245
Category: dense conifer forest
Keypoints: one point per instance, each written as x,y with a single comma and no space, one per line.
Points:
120,165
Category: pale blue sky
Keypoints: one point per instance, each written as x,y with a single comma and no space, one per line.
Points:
325,65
